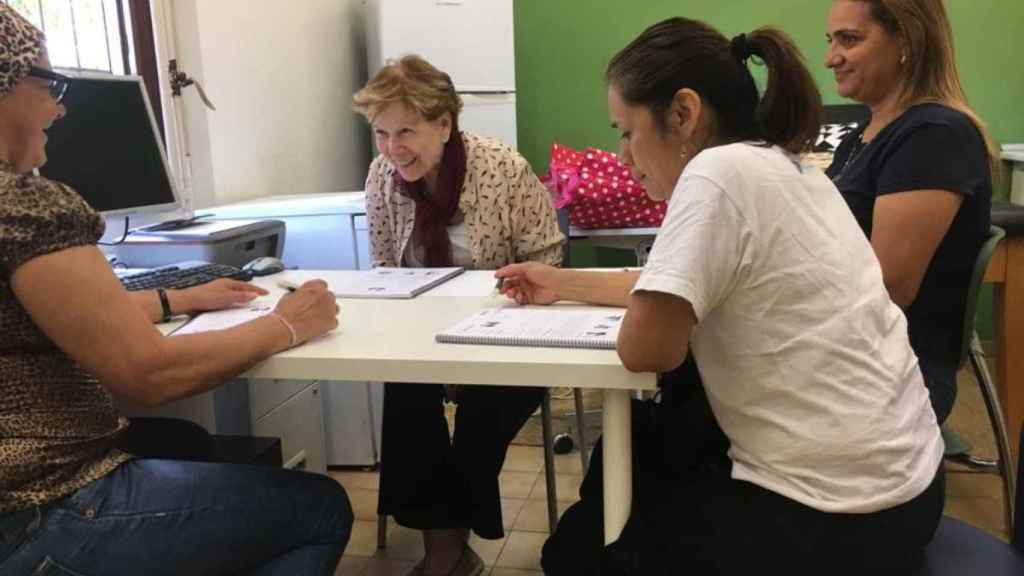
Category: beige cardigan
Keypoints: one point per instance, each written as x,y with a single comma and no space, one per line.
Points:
508,212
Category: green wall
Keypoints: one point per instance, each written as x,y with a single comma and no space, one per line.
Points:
562,47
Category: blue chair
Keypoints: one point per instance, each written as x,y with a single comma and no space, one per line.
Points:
960,549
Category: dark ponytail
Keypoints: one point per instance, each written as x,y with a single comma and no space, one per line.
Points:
790,110
682,53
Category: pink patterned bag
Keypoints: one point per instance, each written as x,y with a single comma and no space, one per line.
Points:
599,190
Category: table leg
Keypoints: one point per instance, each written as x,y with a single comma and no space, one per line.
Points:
618,462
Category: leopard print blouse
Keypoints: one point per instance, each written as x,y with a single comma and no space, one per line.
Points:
508,212
57,424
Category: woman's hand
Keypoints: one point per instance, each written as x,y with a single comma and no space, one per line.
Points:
216,295
530,283
311,310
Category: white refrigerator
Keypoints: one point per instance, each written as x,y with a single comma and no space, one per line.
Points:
472,40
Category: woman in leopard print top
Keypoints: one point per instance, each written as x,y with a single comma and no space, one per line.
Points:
440,197
72,339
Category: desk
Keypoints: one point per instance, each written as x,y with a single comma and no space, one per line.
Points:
1005,271
393,341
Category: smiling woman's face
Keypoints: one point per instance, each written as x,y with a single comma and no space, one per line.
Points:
865,58
26,112
414,145
653,153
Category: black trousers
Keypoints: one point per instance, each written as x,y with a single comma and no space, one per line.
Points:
690,517
431,480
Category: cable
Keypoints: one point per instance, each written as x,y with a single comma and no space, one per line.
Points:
123,238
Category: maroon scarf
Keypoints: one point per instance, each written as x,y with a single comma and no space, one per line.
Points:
434,212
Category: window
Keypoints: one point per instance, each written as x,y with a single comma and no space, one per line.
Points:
98,35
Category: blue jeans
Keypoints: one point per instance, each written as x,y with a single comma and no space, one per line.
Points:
159,517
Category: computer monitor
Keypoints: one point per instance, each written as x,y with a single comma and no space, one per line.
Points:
108,147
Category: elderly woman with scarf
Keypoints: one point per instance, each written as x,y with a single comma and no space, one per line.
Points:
440,197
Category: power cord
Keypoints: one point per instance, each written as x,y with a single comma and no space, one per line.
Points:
123,238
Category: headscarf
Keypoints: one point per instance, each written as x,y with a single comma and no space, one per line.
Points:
21,43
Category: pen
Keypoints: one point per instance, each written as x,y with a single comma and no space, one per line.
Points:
288,285
497,286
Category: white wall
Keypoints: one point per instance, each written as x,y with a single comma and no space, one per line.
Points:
281,75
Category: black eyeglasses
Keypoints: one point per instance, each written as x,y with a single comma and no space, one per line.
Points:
57,83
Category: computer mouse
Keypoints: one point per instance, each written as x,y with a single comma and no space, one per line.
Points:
264,266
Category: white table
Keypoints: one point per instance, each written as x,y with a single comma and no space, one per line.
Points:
393,341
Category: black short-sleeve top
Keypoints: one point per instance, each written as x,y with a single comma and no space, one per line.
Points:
929,147
57,424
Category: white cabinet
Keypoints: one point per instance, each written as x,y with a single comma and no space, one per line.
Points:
294,413
1013,155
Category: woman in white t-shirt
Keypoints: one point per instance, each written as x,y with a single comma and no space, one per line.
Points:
760,268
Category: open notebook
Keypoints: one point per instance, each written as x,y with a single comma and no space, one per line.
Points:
386,282
549,327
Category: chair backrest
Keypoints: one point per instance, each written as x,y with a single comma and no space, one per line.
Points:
995,236
563,225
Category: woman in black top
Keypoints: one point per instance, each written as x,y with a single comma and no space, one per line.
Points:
918,176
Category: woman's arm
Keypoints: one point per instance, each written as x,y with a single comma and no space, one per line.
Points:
215,295
656,330
655,333
534,221
75,299
378,215
906,230
535,283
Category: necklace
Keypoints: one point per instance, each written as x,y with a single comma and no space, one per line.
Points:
858,147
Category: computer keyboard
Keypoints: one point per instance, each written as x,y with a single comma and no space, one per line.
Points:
184,275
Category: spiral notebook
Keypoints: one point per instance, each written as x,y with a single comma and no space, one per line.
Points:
550,327
383,282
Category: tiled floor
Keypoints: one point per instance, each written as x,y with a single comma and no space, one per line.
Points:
524,515
972,497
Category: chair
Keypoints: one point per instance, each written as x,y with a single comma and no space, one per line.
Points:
959,548
971,351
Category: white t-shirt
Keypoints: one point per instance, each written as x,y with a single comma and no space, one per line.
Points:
806,361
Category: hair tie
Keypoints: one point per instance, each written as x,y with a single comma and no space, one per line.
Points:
740,48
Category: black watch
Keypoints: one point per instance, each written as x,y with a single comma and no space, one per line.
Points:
165,304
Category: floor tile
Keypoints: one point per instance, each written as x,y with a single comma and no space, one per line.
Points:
534,516
364,503
517,484
567,488
387,567
568,463
351,566
356,479
402,544
524,459
522,550
363,541
510,508
488,550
